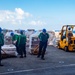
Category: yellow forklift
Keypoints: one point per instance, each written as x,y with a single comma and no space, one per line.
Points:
67,38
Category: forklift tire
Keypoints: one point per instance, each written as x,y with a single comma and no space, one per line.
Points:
66,48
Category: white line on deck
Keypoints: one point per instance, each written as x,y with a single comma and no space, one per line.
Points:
29,70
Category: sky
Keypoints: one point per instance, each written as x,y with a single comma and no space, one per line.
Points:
36,14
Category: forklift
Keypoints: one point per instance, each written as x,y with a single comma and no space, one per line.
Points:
67,38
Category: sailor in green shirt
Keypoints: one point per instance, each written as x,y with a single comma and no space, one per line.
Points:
43,37
15,41
1,43
22,44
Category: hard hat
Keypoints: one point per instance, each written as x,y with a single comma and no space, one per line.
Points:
69,28
44,30
21,31
0,29
12,34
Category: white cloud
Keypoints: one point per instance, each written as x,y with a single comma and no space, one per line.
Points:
18,17
19,11
37,23
7,15
33,23
20,14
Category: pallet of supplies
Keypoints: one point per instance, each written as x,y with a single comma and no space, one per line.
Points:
8,51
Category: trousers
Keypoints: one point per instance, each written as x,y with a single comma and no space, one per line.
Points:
23,49
42,49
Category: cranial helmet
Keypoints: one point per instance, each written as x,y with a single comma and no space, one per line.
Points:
21,31
69,28
0,29
12,34
44,30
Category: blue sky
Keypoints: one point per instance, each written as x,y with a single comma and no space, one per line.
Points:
36,14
